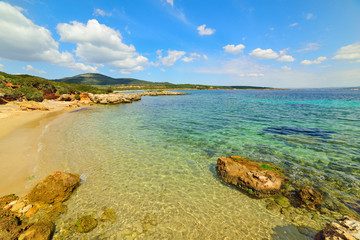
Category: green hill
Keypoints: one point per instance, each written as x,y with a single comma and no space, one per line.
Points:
99,79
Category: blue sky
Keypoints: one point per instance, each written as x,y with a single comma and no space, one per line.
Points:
275,43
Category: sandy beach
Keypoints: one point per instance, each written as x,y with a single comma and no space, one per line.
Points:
19,135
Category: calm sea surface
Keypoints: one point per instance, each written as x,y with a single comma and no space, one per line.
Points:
153,161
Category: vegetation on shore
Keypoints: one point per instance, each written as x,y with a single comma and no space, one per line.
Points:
13,87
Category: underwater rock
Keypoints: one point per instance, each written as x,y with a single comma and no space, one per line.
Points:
345,229
38,231
312,132
56,187
282,201
109,215
10,224
85,224
257,179
310,197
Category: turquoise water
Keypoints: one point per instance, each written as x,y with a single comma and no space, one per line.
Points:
153,161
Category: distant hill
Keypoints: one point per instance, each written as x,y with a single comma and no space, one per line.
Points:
99,79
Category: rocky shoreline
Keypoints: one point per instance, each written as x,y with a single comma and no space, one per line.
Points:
32,216
304,206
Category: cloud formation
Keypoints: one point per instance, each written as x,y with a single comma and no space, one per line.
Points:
171,58
191,58
171,2
202,30
30,68
349,52
22,40
310,47
99,44
286,58
232,49
294,24
264,53
99,12
316,61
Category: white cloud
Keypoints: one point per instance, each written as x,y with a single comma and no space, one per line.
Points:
272,29
30,68
286,58
1,66
309,16
294,24
22,40
205,57
99,12
171,58
264,53
286,68
100,44
205,31
310,47
171,2
162,69
349,52
191,58
255,75
233,49
316,61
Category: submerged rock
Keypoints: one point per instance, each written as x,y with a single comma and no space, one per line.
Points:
258,179
56,187
109,215
310,197
345,229
85,224
38,231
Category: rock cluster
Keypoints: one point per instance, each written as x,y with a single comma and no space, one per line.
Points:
114,98
346,228
258,179
32,217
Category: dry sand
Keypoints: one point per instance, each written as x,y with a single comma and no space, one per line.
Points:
19,136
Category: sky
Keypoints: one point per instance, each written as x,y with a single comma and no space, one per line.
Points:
272,43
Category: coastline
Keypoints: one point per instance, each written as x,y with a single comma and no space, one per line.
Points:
20,132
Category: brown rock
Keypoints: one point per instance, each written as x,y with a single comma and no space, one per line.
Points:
65,97
257,179
310,197
84,97
10,224
56,187
31,212
32,105
38,231
345,229
5,200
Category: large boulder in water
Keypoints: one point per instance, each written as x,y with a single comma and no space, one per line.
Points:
56,187
345,229
258,179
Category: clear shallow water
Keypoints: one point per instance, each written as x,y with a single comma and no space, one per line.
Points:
153,161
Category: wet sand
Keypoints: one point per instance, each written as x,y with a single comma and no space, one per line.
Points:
20,132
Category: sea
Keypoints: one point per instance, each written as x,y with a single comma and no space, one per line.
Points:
153,161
